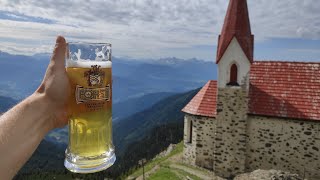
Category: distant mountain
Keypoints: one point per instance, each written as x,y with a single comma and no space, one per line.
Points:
133,105
134,127
140,108
119,112
137,126
136,78
142,135
6,103
21,75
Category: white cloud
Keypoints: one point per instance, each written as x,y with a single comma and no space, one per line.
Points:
148,28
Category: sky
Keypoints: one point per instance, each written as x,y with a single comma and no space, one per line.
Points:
284,30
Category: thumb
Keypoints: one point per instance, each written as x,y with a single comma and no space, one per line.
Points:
59,52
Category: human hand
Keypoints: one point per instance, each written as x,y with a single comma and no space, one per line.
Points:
24,126
55,86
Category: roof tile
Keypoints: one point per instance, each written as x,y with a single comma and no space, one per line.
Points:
285,89
204,102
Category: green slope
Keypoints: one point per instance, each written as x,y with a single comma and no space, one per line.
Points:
133,105
142,135
166,111
172,167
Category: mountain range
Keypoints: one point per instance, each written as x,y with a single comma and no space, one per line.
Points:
138,125
155,128
6,103
133,105
21,75
148,96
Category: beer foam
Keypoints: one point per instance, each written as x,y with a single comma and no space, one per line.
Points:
88,63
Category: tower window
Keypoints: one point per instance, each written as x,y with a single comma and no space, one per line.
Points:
190,132
233,75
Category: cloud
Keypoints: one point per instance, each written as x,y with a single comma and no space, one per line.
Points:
151,28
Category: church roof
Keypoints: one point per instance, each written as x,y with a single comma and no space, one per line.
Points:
277,89
236,24
285,89
204,102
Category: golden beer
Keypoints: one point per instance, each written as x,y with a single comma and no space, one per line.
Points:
90,146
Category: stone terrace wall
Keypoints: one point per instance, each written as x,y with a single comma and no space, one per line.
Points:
230,140
284,144
200,151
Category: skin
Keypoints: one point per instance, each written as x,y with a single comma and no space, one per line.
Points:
25,125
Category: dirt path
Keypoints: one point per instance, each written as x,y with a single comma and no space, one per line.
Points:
200,174
175,163
148,173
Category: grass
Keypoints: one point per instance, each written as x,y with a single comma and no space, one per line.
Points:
178,149
164,173
190,166
165,170
154,162
185,174
148,166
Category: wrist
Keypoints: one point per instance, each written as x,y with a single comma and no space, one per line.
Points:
45,110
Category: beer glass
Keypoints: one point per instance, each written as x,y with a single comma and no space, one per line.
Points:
90,147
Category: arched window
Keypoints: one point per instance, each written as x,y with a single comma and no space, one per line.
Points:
190,132
233,75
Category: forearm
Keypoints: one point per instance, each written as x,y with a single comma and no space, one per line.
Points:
21,130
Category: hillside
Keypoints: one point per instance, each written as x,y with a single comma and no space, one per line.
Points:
21,75
6,103
169,165
46,156
156,128
166,111
128,107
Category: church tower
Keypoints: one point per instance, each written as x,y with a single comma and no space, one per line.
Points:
235,46
234,58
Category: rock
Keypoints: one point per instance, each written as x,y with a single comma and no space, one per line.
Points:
268,175
166,152
169,149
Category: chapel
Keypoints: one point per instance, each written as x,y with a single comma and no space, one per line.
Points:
258,114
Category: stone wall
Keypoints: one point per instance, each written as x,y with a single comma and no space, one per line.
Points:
230,140
200,151
284,144
189,150
205,141
235,142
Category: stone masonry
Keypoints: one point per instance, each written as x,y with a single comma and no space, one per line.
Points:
236,142
200,150
189,150
230,140
284,144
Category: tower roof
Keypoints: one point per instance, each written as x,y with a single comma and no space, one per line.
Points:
236,24
204,103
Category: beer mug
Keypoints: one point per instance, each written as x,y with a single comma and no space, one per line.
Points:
90,147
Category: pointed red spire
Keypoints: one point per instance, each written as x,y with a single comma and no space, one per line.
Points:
236,24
